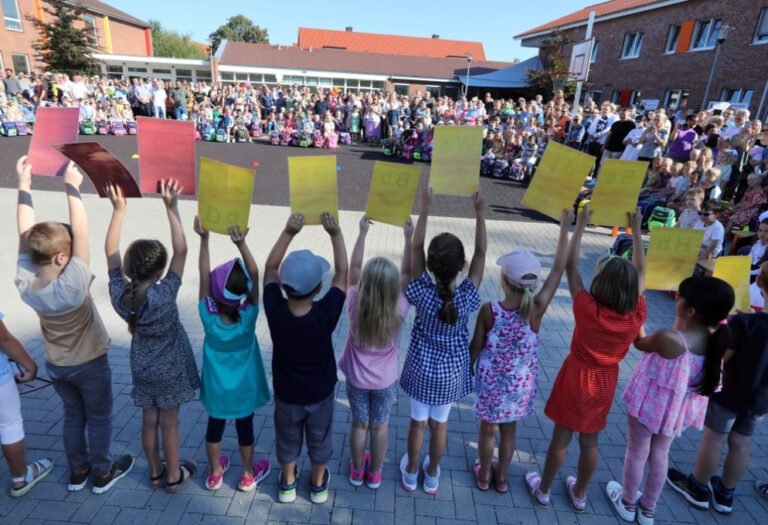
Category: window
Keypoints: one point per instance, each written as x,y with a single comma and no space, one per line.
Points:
672,97
186,74
161,71
2,68
380,85
326,82
401,89
137,70
90,27
705,34
761,34
633,42
115,72
11,15
593,58
270,79
225,77
615,96
20,63
737,96
433,90
596,96
203,74
672,38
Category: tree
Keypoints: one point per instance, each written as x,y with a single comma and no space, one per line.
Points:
62,46
555,63
239,28
166,43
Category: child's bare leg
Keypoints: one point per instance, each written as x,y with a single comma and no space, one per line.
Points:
149,440
437,437
486,438
169,424
15,456
318,474
506,449
558,447
379,436
357,436
288,473
588,455
246,452
415,442
213,451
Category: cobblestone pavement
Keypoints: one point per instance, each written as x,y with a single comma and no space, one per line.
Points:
132,501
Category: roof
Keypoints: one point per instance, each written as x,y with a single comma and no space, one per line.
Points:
104,9
515,76
611,7
282,57
388,44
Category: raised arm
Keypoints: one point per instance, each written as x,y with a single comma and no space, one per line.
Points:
170,190
418,261
406,266
356,259
638,253
25,211
112,241
575,284
340,262
272,266
548,289
78,220
477,264
204,261
238,237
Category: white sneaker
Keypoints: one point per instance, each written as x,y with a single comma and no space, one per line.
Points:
615,492
410,481
431,484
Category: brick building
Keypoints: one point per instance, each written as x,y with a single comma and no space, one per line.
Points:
112,32
663,51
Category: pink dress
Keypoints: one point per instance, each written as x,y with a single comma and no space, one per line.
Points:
662,393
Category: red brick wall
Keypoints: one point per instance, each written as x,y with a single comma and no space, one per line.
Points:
127,39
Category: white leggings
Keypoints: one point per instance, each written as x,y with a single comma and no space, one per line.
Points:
11,423
421,411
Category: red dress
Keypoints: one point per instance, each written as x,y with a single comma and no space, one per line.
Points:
583,391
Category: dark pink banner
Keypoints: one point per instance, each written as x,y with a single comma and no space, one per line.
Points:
52,126
101,167
166,151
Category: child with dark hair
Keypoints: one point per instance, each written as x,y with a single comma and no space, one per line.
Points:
437,367
162,364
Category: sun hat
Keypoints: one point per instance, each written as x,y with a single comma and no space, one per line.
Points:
302,271
517,264
219,278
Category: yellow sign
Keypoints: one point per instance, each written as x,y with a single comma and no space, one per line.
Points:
456,160
671,258
392,190
225,195
313,187
735,271
559,176
616,192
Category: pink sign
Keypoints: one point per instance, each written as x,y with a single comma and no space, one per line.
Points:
166,150
101,167
52,126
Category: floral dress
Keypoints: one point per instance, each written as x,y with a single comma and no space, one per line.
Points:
507,368
745,210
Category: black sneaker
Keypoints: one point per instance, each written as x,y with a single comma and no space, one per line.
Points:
687,487
722,499
78,480
120,468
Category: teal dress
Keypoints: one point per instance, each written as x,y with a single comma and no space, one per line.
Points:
234,382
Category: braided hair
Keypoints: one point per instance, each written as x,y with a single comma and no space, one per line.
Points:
143,260
445,259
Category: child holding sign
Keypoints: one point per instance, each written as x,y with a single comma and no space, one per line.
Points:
669,390
505,347
608,318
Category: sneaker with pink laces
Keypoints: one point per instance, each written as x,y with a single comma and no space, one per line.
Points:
578,504
373,479
533,482
249,482
356,476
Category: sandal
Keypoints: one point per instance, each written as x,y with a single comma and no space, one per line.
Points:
481,483
36,471
155,482
214,482
533,482
501,485
190,467
762,488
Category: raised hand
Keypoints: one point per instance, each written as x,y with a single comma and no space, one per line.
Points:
199,229
478,202
73,176
636,219
24,173
365,223
329,223
115,196
237,234
567,217
170,190
295,223
583,218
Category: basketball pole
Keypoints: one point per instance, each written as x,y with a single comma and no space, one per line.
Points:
577,95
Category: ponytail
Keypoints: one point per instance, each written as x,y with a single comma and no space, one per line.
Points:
445,260
717,343
447,313
526,305
144,259
133,305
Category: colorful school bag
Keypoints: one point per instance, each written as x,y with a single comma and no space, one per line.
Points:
256,130
306,140
132,127
221,135
517,171
332,141
87,128
622,246
21,128
285,138
102,128
9,129
486,166
500,169
388,147
317,140
408,151
274,137
241,135
662,217
345,138
118,129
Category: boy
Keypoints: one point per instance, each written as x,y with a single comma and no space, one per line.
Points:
303,363
714,233
732,415
54,279
689,217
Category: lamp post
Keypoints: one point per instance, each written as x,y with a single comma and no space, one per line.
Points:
721,35
466,85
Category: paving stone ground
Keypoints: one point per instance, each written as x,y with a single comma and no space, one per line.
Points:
132,501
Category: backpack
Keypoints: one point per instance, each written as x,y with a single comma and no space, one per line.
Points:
21,128
622,246
332,141
306,140
345,138
501,169
274,137
132,127
118,128
221,135
317,140
9,129
241,135
88,127
663,217
102,128
256,130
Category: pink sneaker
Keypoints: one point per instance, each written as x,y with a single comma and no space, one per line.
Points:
215,482
578,504
373,479
260,471
533,482
356,476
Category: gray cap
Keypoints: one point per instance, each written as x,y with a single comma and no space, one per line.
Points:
302,270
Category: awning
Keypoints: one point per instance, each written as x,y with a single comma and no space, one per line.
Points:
511,77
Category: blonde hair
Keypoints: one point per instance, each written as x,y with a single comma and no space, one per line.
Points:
695,192
46,240
378,295
615,284
528,293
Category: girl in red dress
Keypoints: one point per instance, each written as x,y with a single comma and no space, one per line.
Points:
608,318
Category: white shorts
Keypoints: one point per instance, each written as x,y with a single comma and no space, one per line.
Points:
421,411
11,423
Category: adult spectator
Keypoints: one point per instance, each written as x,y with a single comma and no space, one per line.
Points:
654,138
12,86
159,96
614,142
25,84
682,139
322,106
598,131
78,89
180,98
740,118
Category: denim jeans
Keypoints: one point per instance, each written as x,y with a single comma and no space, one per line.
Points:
86,392
159,111
178,111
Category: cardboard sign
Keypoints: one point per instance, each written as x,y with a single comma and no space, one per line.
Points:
166,151
52,126
559,177
101,167
672,255
392,190
616,191
456,160
225,195
735,271
313,187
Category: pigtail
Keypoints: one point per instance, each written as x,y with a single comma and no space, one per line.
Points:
445,260
133,306
447,313
717,343
144,259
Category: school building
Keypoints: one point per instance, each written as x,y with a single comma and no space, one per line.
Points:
664,51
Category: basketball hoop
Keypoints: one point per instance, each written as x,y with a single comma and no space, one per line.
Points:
558,77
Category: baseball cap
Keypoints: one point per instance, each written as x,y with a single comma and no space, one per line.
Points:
219,278
517,264
302,271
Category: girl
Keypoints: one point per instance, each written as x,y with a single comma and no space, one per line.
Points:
608,318
505,345
234,383
669,390
162,364
436,371
377,308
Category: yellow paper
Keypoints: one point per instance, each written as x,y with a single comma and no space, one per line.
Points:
392,190
313,187
224,195
671,258
735,271
456,160
616,192
559,177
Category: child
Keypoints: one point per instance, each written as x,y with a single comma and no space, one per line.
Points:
669,390
377,308
725,162
758,251
23,476
162,364
608,318
709,182
528,155
354,124
714,233
54,279
437,367
303,363
689,217
234,383
507,335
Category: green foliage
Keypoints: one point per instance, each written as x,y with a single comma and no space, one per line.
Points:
166,43
554,60
62,46
239,28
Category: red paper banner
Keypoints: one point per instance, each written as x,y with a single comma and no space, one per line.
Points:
52,126
101,167
166,151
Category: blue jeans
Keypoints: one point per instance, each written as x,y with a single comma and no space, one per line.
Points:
86,392
159,111
178,111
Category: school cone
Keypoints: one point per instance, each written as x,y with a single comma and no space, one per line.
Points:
615,231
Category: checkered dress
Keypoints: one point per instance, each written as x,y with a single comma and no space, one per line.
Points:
436,370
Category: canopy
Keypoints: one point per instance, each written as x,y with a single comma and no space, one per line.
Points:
511,77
